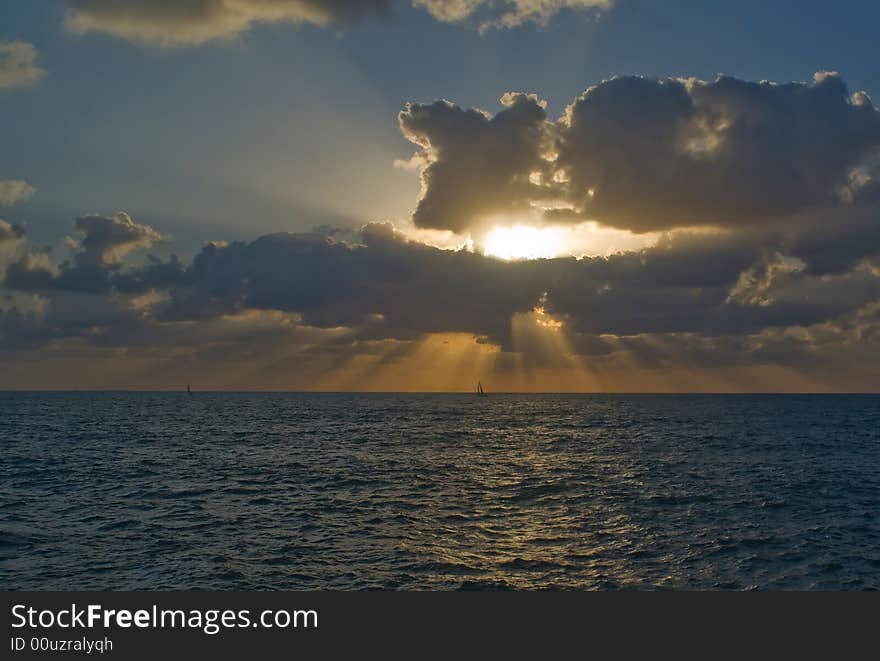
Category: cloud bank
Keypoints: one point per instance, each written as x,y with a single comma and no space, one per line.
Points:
708,302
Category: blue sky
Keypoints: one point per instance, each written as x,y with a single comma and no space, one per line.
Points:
294,126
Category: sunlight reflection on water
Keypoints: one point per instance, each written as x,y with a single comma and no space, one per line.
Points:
297,491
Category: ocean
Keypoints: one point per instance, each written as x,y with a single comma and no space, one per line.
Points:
296,491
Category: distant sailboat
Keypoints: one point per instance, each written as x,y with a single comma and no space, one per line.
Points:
480,392
188,390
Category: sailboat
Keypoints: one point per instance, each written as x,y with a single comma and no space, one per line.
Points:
188,390
480,392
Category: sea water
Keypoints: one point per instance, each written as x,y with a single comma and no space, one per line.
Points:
403,491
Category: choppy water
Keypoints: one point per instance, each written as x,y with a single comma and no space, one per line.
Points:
300,491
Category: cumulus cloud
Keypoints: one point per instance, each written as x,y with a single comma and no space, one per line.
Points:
647,155
14,190
104,242
18,64
475,165
106,239
190,22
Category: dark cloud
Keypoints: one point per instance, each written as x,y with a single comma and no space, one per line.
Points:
836,240
33,271
306,306
388,287
645,155
476,166
105,241
649,155
11,232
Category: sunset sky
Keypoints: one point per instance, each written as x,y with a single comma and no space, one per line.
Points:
545,195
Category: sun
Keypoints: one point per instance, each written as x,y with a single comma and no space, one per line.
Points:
524,242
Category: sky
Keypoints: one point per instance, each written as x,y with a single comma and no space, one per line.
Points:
544,195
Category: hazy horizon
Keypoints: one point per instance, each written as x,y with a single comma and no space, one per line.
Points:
673,393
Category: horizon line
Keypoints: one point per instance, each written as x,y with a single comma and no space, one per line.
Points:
434,392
